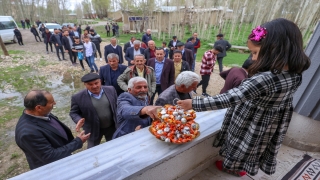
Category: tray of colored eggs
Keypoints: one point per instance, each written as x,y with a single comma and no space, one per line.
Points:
174,125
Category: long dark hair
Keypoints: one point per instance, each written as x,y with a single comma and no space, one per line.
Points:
283,45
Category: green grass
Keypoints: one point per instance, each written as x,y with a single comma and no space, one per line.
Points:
14,155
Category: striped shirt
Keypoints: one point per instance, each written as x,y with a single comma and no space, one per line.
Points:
208,62
77,47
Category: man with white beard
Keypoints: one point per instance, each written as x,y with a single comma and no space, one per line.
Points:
132,107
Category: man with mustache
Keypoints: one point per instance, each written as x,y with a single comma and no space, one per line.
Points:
132,107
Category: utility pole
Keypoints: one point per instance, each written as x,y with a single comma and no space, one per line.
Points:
3,47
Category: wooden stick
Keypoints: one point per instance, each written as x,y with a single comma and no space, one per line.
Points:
3,47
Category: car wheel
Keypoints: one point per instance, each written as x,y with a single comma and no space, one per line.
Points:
15,40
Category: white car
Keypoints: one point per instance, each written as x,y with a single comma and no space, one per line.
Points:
7,25
50,26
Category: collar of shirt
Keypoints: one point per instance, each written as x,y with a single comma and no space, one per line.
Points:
160,62
40,117
96,96
131,44
182,51
114,46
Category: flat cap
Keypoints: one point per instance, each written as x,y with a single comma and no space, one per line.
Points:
173,37
180,44
90,77
220,35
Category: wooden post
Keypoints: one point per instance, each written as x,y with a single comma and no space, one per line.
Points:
3,47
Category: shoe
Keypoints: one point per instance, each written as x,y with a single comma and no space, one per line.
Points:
95,59
47,52
83,69
92,71
100,59
219,165
64,59
205,95
52,52
60,59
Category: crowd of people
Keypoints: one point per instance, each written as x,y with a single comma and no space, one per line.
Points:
119,99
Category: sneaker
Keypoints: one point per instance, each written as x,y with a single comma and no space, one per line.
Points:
52,52
64,59
95,59
83,69
100,59
205,95
47,52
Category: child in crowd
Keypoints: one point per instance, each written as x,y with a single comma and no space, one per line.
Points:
89,49
166,50
260,108
208,61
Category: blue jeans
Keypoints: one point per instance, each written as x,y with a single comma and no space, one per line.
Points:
194,62
92,63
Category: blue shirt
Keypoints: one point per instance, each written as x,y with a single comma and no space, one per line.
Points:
158,70
96,96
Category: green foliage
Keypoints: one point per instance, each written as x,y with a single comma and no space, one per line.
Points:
14,155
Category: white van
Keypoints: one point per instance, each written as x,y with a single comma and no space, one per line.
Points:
7,25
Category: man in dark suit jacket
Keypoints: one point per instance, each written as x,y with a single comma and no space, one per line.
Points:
97,105
185,83
225,45
150,51
109,73
132,51
172,46
128,44
187,54
164,71
67,43
113,48
40,134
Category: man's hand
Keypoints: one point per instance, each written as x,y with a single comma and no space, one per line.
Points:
132,61
57,44
83,137
150,111
80,124
185,104
137,128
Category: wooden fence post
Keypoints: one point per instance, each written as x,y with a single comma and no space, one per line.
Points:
3,47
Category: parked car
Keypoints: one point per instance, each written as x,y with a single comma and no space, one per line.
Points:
66,24
51,26
7,25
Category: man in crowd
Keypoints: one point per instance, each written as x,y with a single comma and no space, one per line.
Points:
55,39
42,136
23,24
190,45
197,45
116,27
96,39
46,39
28,23
164,71
150,51
75,31
67,43
185,83
208,61
113,48
234,76
187,54
34,31
113,29
132,107
110,72
128,44
18,35
107,27
139,69
132,51
79,30
95,109
88,28
147,37
225,45
172,46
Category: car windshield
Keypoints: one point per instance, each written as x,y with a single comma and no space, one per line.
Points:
7,25
53,26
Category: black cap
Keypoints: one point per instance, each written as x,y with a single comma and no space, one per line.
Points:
90,77
173,37
180,44
220,35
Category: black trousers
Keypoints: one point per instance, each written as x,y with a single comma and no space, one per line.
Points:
106,132
98,50
28,25
75,56
47,48
220,63
204,82
108,33
59,48
20,40
158,90
70,55
113,32
35,36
